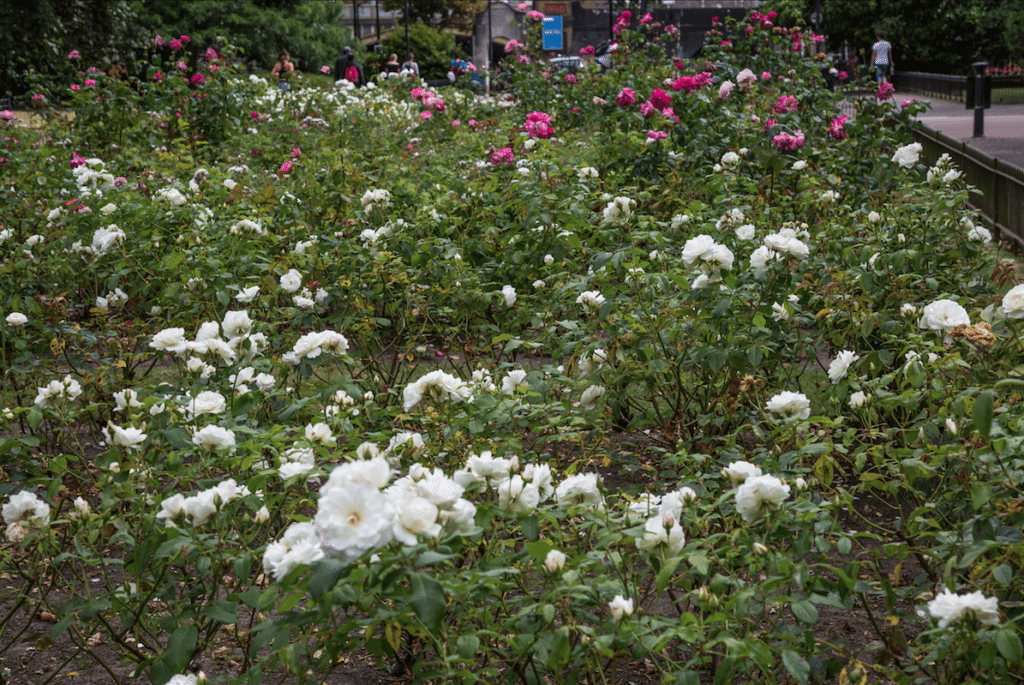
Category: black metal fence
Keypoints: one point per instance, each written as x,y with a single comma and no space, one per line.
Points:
1000,185
953,87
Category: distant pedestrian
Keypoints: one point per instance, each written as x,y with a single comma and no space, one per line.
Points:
283,70
392,67
881,58
410,67
347,69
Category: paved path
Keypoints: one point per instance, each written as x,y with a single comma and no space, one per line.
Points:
1004,128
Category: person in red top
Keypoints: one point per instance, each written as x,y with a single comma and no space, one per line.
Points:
283,70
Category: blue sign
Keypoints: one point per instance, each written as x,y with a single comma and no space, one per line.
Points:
552,33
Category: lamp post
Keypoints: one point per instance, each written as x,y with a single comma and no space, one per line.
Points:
408,49
490,42
979,99
355,22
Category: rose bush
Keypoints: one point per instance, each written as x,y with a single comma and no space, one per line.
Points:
314,403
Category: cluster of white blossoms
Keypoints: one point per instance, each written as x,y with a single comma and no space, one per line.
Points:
943,170
91,177
509,294
619,209
55,394
438,387
977,233
591,300
943,315
247,226
377,197
585,172
312,345
758,495
948,608
788,241
790,406
113,299
197,509
22,512
738,471
734,217
170,195
358,512
663,535
240,342
839,367
299,546
1012,305
104,240
710,258
908,155
128,438
371,237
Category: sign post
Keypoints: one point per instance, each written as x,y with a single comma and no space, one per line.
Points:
552,31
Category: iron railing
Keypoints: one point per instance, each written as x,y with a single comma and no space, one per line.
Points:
1000,185
952,87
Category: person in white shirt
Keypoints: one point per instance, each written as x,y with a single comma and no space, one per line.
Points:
881,58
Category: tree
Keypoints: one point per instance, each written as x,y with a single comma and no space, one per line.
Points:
440,13
39,34
433,49
944,36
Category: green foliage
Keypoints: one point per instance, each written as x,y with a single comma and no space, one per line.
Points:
433,49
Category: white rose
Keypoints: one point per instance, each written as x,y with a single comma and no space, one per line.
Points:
291,281
17,319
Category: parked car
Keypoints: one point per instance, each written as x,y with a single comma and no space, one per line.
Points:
570,64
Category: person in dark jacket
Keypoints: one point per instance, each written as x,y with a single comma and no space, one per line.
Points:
343,68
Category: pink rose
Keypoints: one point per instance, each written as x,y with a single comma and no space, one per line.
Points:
625,98
426,114
74,54
286,167
660,99
90,82
325,69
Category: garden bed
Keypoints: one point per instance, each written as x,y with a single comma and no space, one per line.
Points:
668,374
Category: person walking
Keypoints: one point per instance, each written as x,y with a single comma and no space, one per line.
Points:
347,69
283,70
881,58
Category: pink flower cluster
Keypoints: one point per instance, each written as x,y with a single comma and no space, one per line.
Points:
571,79
534,15
296,152
646,19
197,79
908,102
38,100
786,142
689,84
1008,70
622,23
74,54
211,55
768,124
430,100
835,129
656,135
286,167
89,82
503,156
765,20
625,98
785,103
538,125
660,99
672,30
159,41
588,50
512,45
885,91
325,69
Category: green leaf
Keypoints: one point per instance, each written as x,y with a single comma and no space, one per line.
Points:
796,665
805,612
558,655
983,414
324,577
178,438
1003,573
467,646
981,493
531,528
1009,645
427,599
665,574
180,646
35,417
222,611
